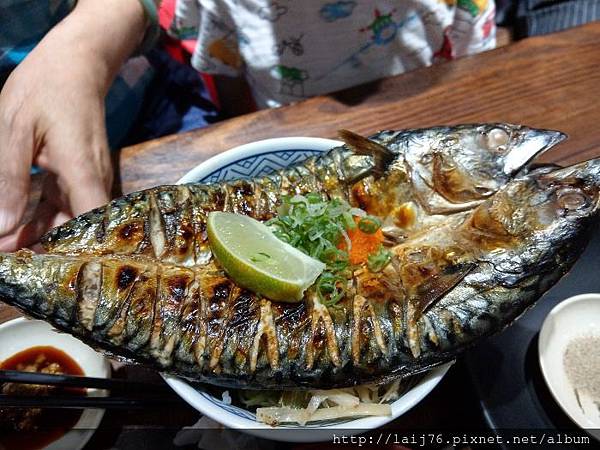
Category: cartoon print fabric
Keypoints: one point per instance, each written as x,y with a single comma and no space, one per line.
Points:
293,49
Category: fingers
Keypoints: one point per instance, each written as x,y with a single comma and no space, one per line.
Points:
53,117
89,186
80,158
16,153
51,210
87,192
46,216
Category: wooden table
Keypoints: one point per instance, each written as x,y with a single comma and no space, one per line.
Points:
546,82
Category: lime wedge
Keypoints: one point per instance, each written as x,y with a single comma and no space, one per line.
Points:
257,260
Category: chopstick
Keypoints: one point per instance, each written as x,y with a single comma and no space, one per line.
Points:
15,376
131,394
81,402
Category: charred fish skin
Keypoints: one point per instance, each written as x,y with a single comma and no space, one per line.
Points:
442,292
169,222
428,174
191,324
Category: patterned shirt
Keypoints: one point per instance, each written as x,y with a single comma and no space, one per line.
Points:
293,49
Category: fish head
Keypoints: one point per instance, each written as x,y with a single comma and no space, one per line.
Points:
469,163
549,206
572,193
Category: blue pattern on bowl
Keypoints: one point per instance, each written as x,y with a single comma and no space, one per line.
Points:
259,165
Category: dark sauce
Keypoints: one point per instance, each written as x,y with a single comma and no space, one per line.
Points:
40,427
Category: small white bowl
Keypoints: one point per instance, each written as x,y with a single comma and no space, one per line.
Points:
251,160
575,317
20,334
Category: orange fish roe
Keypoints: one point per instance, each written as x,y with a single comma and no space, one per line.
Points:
363,244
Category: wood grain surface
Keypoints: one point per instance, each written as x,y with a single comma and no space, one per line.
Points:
548,82
7,313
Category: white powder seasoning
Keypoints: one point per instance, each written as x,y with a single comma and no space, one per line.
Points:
582,365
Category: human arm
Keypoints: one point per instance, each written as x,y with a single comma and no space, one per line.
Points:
52,115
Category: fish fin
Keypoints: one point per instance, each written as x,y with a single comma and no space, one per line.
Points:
437,286
361,145
427,294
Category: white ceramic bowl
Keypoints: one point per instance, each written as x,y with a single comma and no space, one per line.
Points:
255,159
575,317
20,334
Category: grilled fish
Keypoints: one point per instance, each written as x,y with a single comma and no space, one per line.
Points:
136,278
412,179
441,293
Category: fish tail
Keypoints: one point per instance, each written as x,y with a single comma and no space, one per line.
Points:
42,287
126,304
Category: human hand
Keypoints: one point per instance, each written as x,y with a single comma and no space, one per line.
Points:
52,115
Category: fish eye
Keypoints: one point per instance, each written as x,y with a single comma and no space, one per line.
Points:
572,199
497,139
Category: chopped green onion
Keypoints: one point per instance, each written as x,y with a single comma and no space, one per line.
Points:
311,224
314,198
369,224
299,199
316,227
377,261
328,289
350,224
357,212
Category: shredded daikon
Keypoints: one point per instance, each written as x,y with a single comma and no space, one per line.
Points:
276,415
302,407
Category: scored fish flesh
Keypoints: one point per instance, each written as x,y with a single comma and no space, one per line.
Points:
450,282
